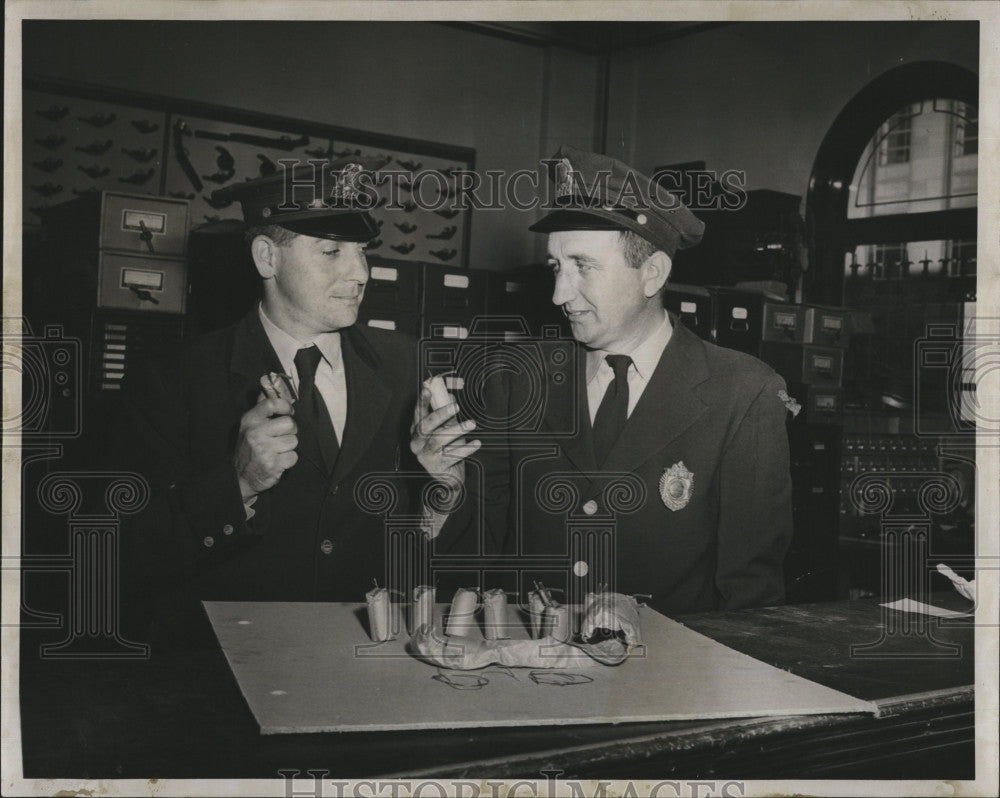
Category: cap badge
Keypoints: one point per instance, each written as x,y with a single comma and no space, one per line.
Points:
347,184
564,179
676,486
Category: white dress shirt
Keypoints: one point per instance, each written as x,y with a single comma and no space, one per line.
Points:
645,358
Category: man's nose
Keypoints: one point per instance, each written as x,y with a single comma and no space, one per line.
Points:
564,289
358,266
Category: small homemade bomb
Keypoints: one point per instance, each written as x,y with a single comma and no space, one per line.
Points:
463,608
536,612
495,614
422,611
379,614
557,623
439,392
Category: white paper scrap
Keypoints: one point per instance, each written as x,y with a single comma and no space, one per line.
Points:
909,605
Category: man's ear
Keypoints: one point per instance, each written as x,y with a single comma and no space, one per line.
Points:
655,272
265,256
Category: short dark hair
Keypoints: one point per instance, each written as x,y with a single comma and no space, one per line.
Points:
635,248
278,234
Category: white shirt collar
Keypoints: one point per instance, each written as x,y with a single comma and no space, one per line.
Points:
645,356
285,345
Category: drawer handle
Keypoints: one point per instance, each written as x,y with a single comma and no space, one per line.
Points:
146,236
144,295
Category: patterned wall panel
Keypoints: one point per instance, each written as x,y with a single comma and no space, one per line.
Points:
73,146
76,144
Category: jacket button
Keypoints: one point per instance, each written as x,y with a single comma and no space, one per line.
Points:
227,529
326,547
209,541
334,489
590,507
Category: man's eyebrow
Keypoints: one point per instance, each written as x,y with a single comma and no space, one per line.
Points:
580,258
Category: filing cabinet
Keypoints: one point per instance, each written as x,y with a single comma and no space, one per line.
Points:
827,326
389,319
393,285
453,293
136,282
743,320
693,305
131,252
132,224
814,365
820,404
521,299
143,225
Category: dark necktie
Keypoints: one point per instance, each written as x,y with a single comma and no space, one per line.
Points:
613,412
317,439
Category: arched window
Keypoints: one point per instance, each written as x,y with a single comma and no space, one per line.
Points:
891,212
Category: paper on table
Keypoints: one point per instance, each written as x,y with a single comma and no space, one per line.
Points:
909,605
296,680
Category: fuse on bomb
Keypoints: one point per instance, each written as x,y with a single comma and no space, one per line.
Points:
379,614
495,614
422,611
461,615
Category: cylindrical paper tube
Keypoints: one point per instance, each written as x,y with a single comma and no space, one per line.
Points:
557,623
439,392
495,614
379,618
460,618
536,611
422,612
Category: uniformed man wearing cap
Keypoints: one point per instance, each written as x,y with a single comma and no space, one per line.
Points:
254,440
671,479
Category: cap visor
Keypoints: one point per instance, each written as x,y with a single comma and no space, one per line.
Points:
597,219
354,226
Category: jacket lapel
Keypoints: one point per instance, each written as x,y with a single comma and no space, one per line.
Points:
563,412
367,399
252,356
668,406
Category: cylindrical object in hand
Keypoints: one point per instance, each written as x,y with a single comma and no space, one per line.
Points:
495,614
557,623
460,617
379,617
422,612
439,392
536,611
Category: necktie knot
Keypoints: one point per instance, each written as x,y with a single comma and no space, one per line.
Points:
619,365
306,362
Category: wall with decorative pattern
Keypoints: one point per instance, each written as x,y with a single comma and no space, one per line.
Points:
510,102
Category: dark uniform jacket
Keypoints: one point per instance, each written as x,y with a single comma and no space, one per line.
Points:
311,537
693,505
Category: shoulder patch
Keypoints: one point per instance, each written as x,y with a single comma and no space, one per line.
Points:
790,403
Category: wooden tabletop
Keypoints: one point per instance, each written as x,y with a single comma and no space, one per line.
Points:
182,715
